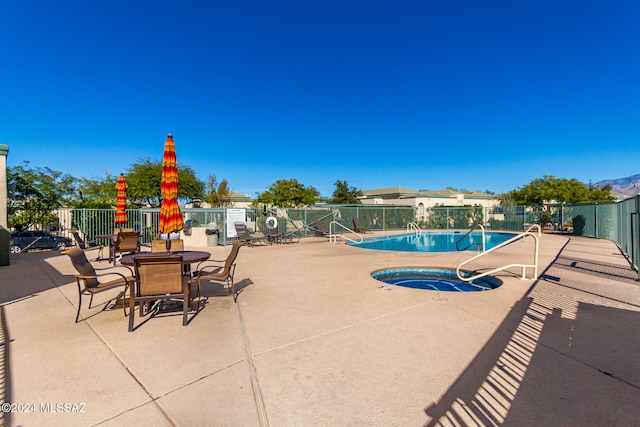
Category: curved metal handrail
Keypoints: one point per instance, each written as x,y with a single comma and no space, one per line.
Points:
333,237
532,226
535,236
484,245
413,226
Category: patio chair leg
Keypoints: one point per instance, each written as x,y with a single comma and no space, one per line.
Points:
132,306
185,310
79,305
232,289
124,299
197,297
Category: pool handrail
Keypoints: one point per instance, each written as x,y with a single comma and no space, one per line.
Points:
532,226
534,266
484,240
333,236
414,226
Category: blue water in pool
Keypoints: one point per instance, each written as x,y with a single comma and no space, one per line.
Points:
436,279
434,241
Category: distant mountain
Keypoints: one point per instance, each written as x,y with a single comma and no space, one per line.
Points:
629,186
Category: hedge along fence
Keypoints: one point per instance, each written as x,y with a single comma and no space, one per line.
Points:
374,217
92,222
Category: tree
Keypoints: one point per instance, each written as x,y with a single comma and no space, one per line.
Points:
217,194
345,194
38,192
95,193
288,194
558,190
144,179
544,218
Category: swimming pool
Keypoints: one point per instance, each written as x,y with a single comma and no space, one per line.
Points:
436,279
433,241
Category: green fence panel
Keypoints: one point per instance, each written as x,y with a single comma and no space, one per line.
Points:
619,222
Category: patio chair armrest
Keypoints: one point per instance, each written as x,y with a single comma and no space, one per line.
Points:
203,264
213,267
216,269
117,274
86,276
210,269
103,268
97,276
129,269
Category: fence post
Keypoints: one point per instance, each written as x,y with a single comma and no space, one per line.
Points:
595,220
447,222
634,239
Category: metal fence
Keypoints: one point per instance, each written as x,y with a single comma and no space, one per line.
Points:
615,221
628,228
95,222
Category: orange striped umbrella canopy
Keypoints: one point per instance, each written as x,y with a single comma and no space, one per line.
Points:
170,216
121,201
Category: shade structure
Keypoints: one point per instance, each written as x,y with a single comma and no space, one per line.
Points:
121,201
170,217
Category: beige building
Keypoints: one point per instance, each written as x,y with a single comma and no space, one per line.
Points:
422,200
236,200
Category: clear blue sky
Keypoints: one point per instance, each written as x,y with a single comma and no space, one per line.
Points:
419,94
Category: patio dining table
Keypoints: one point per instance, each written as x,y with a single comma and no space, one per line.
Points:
188,257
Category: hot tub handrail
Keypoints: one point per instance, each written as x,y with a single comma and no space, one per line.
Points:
333,236
484,245
414,226
534,266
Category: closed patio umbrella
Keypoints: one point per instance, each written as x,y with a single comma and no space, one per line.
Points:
170,217
121,201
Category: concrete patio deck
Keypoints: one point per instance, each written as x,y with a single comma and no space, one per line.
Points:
314,340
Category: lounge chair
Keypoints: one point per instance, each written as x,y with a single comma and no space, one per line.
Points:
293,232
320,228
126,242
88,280
358,227
273,234
220,270
158,278
246,237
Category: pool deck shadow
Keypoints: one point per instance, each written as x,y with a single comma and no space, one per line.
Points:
314,340
561,356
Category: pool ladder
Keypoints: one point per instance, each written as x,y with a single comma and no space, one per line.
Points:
413,226
534,265
482,246
333,236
